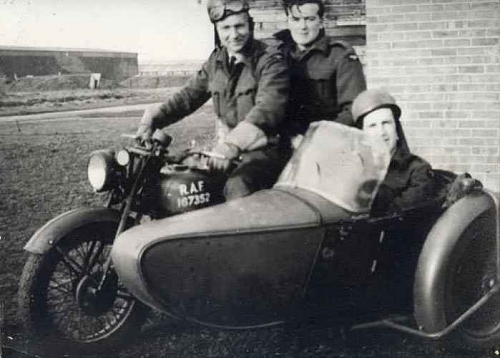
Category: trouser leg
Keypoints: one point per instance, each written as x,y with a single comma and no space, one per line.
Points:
258,170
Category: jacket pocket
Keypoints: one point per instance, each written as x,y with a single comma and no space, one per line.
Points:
217,90
322,85
244,103
245,93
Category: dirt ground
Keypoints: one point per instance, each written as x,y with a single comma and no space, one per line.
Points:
12,103
44,174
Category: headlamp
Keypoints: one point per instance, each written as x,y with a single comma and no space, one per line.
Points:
123,157
100,169
220,9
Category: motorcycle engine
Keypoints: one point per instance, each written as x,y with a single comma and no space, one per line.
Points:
182,188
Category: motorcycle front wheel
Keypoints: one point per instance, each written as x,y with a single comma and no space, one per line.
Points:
61,303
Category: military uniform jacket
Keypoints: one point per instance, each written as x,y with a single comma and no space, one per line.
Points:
256,90
409,180
324,81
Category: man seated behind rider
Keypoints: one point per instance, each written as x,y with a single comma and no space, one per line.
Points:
248,83
325,75
410,179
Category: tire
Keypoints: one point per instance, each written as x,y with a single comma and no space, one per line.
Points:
55,300
470,275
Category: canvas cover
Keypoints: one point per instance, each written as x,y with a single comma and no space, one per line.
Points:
340,163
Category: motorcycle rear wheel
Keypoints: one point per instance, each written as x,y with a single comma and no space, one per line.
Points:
58,301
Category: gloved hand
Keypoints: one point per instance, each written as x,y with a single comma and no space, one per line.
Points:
147,125
144,133
227,153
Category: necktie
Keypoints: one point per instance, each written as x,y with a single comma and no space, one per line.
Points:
232,63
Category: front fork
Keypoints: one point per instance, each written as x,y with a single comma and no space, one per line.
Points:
125,210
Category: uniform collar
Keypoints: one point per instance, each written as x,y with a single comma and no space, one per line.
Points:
400,157
321,44
250,51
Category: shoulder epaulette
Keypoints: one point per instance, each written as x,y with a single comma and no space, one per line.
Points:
341,43
350,52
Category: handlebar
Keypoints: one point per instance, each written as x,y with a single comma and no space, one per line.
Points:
139,151
209,154
158,136
162,139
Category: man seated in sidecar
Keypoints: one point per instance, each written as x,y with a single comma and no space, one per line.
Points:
410,179
401,179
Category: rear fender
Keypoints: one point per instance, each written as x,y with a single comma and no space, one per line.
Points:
430,276
53,231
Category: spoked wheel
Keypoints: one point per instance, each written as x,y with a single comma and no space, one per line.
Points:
63,296
471,276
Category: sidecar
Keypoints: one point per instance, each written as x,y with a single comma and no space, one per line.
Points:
309,248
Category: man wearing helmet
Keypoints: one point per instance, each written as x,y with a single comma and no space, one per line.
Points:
409,180
248,83
325,75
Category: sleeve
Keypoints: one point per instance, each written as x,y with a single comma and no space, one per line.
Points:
421,186
350,81
188,99
272,93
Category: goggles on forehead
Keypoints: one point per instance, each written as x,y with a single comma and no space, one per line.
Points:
220,10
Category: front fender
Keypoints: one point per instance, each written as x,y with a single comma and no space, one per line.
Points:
430,276
49,234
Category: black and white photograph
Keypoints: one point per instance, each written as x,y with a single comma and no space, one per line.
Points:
249,178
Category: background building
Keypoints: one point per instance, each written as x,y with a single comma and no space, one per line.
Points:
31,61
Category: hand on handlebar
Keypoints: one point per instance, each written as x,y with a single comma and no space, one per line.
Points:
149,121
144,134
223,157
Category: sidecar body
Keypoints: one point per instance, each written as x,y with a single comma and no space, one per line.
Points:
309,247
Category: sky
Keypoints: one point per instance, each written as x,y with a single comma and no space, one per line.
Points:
158,30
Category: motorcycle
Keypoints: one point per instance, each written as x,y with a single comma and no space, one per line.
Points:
308,248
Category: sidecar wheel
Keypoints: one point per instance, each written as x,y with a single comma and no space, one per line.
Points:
470,275
58,301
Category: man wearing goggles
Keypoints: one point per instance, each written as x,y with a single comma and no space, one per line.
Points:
248,83
325,75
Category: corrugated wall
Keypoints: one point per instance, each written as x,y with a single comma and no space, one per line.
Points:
112,66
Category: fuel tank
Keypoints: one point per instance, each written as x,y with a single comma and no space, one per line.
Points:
242,263
181,188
